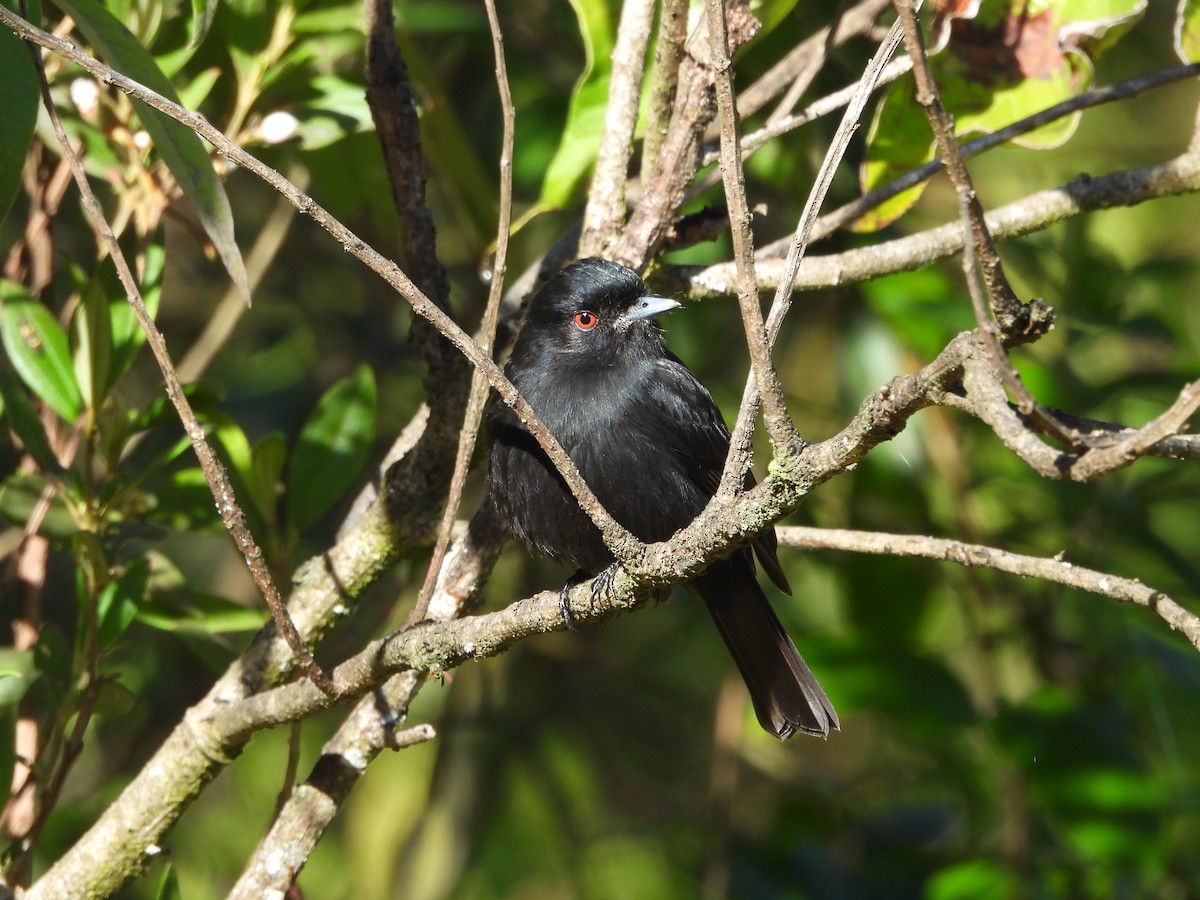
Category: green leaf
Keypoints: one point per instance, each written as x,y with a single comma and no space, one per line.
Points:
897,142
37,347
17,672
127,334
203,12
92,345
168,885
972,879
266,474
332,448
19,95
114,699
118,603
204,612
585,118
179,147
1187,32
25,423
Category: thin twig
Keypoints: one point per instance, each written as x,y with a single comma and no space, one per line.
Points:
623,544
851,23
215,475
479,386
780,427
739,446
1055,569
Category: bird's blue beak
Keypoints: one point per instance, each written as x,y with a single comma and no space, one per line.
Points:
648,307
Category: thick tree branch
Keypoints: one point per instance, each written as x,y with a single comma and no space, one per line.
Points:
664,79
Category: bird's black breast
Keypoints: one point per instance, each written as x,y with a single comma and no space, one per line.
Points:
646,437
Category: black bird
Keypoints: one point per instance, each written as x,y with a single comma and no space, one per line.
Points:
649,440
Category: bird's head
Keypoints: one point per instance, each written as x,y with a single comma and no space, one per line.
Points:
596,309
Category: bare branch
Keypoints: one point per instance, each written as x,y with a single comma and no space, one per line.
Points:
215,475
1055,569
807,57
605,212
738,462
1036,212
623,544
775,416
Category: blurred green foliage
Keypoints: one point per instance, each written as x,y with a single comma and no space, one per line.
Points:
1001,737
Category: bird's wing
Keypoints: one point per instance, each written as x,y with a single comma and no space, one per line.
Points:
679,412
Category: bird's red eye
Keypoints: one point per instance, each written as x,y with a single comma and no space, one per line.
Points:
585,321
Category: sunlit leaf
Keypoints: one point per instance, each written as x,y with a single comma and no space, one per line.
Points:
37,347
118,603
975,879
1187,31
585,119
201,611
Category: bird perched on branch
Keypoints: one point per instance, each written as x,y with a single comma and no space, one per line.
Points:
650,442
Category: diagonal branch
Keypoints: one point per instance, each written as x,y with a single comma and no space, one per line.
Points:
232,517
780,426
624,545
1000,311
739,462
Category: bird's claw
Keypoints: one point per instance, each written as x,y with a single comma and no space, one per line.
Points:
564,605
602,584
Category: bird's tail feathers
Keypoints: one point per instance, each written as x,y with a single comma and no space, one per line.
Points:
784,691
